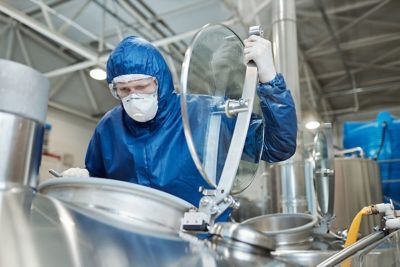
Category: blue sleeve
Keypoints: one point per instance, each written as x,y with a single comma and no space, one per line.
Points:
94,158
280,122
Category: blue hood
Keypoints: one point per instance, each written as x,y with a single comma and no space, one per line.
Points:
135,55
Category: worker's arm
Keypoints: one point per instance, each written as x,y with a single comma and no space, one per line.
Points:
278,125
280,122
94,157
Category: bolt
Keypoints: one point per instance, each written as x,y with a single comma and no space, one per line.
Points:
228,199
214,209
204,201
235,205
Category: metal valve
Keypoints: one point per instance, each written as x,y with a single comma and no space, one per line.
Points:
256,30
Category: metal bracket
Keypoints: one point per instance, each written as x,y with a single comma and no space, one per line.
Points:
216,201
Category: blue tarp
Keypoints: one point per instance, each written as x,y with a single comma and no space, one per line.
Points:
380,140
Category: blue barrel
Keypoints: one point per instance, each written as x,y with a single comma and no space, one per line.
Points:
380,140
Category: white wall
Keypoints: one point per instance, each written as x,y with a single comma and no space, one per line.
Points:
69,135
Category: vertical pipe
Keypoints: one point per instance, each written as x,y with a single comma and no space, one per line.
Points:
285,49
284,37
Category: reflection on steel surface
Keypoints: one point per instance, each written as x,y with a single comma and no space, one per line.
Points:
285,229
357,184
20,150
51,233
138,205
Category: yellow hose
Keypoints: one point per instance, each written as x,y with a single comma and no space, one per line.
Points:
352,234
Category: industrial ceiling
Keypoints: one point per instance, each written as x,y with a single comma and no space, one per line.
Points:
349,51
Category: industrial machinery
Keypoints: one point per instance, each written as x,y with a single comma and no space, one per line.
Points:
98,222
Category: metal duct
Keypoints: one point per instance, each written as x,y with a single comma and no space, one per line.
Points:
284,35
23,108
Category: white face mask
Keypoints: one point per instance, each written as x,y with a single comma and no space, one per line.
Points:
141,107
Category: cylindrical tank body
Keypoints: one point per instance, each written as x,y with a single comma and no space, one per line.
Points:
289,187
357,184
23,108
275,190
20,150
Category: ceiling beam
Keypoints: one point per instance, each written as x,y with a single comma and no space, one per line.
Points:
71,111
177,37
10,42
5,28
339,51
385,100
260,7
352,6
77,13
37,26
47,10
49,46
377,82
181,36
364,89
369,112
386,66
349,26
363,65
358,43
55,89
89,91
47,17
340,9
309,15
133,12
326,105
70,68
22,45
139,10
383,55
37,10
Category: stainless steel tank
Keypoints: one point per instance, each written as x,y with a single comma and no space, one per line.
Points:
289,187
286,229
139,206
56,233
23,108
357,184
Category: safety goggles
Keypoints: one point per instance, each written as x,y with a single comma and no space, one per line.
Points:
124,85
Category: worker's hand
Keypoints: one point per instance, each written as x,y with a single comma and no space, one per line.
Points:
259,50
75,172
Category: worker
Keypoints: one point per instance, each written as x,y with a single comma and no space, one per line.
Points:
142,140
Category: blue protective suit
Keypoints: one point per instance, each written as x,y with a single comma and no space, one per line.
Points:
155,153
